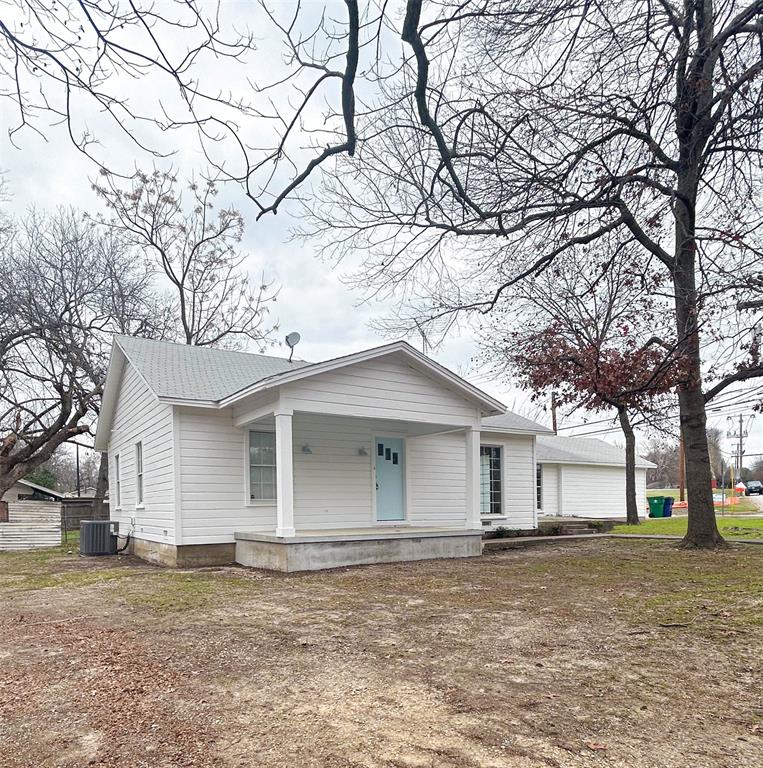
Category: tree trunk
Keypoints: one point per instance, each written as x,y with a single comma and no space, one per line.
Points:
702,531
6,483
103,477
631,503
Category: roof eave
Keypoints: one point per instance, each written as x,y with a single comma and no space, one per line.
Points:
515,431
117,360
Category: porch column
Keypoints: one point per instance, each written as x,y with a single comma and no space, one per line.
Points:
284,475
473,520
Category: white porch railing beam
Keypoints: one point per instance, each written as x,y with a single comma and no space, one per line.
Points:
284,475
244,417
473,520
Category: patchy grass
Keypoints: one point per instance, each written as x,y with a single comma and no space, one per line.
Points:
650,654
730,527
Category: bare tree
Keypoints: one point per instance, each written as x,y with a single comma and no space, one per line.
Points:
533,129
61,277
501,135
663,452
590,333
195,248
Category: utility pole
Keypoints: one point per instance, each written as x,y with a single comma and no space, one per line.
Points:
741,452
738,446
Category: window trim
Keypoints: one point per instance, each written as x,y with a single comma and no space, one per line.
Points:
248,463
118,483
500,513
140,490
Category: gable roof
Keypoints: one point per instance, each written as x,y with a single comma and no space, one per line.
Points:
183,374
513,422
552,449
40,488
186,372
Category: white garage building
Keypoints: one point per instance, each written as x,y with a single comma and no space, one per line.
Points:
584,477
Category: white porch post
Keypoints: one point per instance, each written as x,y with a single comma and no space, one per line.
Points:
284,475
473,520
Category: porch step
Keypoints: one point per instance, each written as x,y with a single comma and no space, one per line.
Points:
569,528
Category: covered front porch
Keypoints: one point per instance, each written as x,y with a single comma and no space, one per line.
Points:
319,550
330,489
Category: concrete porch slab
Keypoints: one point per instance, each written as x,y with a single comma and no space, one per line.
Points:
318,550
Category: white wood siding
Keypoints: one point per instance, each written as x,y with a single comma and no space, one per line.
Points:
598,491
212,470
550,490
518,479
140,417
385,388
333,485
436,480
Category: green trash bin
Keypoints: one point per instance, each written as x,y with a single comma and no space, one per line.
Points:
656,506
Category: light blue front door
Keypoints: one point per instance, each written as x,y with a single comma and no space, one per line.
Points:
390,493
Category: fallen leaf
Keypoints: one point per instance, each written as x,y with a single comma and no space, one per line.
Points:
595,746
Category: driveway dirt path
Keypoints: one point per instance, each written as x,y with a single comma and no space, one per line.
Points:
601,653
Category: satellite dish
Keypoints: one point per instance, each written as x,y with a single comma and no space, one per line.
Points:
292,340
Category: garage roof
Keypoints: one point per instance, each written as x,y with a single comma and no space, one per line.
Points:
551,449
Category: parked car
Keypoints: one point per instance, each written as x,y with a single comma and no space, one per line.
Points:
754,486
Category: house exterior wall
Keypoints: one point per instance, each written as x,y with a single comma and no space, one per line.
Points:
384,388
518,487
550,490
140,417
597,491
212,473
333,484
13,493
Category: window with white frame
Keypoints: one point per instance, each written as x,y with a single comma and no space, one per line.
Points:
262,466
118,481
138,473
539,485
491,502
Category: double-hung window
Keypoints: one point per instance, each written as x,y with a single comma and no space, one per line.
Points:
118,481
139,473
262,466
491,502
539,486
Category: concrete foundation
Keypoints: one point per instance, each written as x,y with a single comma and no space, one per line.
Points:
184,556
318,551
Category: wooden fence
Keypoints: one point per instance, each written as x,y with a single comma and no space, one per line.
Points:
31,525
76,509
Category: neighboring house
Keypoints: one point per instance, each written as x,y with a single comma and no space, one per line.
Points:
376,456
86,492
584,477
26,490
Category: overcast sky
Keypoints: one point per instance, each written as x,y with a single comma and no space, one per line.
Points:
313,300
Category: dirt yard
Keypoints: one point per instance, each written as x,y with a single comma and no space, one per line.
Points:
600,653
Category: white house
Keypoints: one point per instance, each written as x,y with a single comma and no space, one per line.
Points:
377,456
584,477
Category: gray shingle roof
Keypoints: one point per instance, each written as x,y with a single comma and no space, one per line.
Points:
199,373
513,422
581,450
